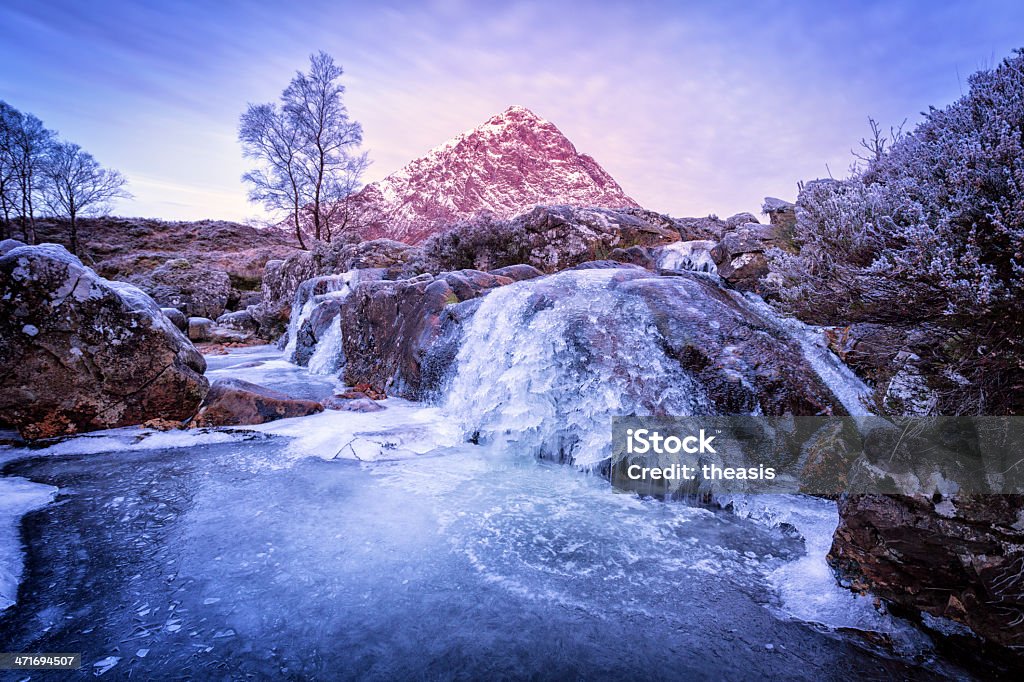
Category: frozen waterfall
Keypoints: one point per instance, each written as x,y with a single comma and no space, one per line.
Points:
545,363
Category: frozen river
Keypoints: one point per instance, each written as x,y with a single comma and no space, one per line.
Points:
231,555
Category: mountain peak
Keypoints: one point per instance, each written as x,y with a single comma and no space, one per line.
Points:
510,163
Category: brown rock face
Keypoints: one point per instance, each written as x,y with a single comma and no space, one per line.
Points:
232,402
391,325
81,353
959,558
514,161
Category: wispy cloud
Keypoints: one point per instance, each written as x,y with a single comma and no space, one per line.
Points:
694,108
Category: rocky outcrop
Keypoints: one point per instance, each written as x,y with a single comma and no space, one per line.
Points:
743,367
82,353
958,559
233,402
282,278
195,291
391,325
559,237
120,248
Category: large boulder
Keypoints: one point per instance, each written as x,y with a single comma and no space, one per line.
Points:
82,353
391,325
195,291
957,559
233,402
743,364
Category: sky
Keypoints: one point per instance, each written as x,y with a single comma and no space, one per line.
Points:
694,107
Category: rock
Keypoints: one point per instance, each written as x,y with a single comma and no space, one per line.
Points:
282,278
781,213
560,237
740,254
636,255
355,405
518,273
886,357
313,329
690,229
200,329
83,353
743,367
195,291
390,326
176,317
9,245
233,402
744,271
732,222
957,558
241,320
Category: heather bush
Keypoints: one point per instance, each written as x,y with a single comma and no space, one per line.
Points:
483,242
931,231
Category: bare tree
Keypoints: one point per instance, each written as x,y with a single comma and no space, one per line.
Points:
306,150
8,178
75,184
267,136
25,143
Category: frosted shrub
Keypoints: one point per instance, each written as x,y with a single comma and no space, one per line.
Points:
931,231
481,243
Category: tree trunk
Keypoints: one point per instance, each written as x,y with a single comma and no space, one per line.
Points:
298,228
74,233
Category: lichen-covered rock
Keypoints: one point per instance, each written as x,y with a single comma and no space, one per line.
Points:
195,291
233,402
959,558
240,320
82,353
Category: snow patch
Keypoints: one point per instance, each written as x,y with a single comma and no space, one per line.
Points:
18,496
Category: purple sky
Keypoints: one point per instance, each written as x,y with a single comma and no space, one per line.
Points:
694,108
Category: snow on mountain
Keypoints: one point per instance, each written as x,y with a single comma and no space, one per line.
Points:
509,164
